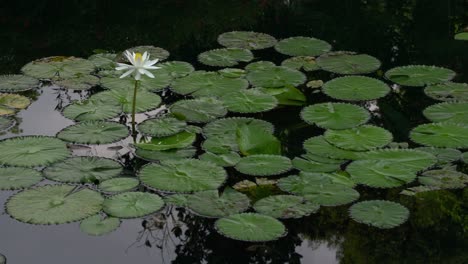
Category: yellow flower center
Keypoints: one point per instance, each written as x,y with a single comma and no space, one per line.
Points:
138,56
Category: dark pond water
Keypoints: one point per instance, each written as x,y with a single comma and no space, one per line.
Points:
398,32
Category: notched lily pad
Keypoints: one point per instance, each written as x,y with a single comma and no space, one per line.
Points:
285,206
211,204
302,46
200,110
381,214
157,155
92,109
355,88
132,204
175,69
444,135
365,137
207,84
15,178
345,62
81,82
117,185
58,67
225,57
94,132
448,91
161,126
306,63
278,76
249,101
9,103
246,40
444,179
97,225
335,115
264,165
419,75
177,141
17,83
454,112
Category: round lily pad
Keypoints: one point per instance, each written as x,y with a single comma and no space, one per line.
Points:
11,102
83,170
381,214
285,206
461,36
82,82
225,57
97,226
380,174
415,160
179,200
32,151
302,46
54,204
344,62
175,69
306,63
355,88
259,65
161,127
210,204
154,52
58,67
6,123
157,155
94,132
161,81
146,101
225,160
116,185
277,76
15,178
360,138
419,75
444,155
180,140
264,165
17,83
246,40
132,204
200,110
335,115
250,227
199,84
445,135
92,110
448,91
444,179
453,112
187,175
319,146
249,101
103,61
314,166
232,73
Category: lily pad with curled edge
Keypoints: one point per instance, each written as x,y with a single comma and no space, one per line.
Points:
355,88
285,206
461,36
161,126
92,109
252,140
453,112
54,204
246,40
444,179
103,61
13,102
380,174
335,115
187,175
277,76
58,67
124,97
15,178
419,75
132,204
302,46
345,62
153,52
259,65
157,155
365,137
314,166
414,160
250,227
96,225
378,213
448,91
94,132
6,123
306,63
211,204
227,127
319,146
17,83
161,81
32,151
179,200
83,170
232,73
199,110
264,165
443,135
117,185
444,155
81,82
177,141
225,160
249,101
225,57
174,69
199,84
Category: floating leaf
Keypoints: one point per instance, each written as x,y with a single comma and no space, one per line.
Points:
6,123
225,160
132,204
211,204
302,46
180,140
412,191
448,91
232,73
11,102
335,115
161,127
161,81
355,88
419,75
97,226
277,76
443,155
58,67
175,69
360,138
285,206
17,83
343,62
94,132
288,95
381,214
186,175
157,155
225,57
252,140
116,185
246,40
32,151
444,135
264,165
81,82
447,112
124,97
380,174
314,166
464,157
103,61
249,101
92,109
180,200
319,146
199,84
444,179
461,36
250,227
200,110
54,204
306,63
412,159
15,178
153,52
259,65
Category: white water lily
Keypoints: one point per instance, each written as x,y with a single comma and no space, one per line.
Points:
140,64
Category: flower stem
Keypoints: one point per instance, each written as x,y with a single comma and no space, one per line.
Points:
134,109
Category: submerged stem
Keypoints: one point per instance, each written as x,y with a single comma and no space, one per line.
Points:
134,109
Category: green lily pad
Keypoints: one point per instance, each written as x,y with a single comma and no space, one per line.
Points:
220,144
17,83
252,140
15,178
464,157
154,52
58,67
94,132
278,76
179,200
224,160
335,115
161,127
225,57
259,65
200,110
380,174
444,155
461,36
117,185
343,62
444,135
306,63
146,101
285,206
92,109
211,204
83,170
11,102
306,181
232,73
81,82
187,175
453,112
444,179
419,75
249,101
448,91
414,160
132,204
302,46
250,227
360,138
180,140
288,95
319,146
314,166
264,165
161,81
32,151
6,123
355,88
175,69
381,214
103,61
54,204
321,159
246,40
97,226
206,84
157,155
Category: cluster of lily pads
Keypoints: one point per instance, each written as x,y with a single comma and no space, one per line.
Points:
209,131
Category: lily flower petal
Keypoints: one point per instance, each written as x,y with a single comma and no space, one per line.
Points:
148,73
127,73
